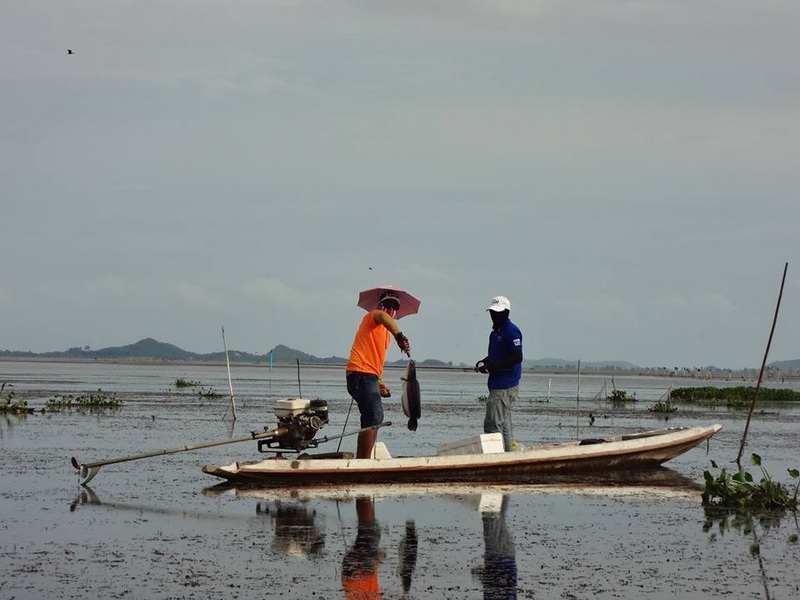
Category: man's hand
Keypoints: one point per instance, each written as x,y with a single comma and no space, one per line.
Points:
402,342
482,366
385,391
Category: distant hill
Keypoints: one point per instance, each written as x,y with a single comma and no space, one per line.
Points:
785,365
150,349
558,363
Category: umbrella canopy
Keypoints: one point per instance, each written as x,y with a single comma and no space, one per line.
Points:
369,299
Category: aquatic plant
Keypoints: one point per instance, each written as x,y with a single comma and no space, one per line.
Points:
733,397
180,382
208,393
740,491
91,401
620,397
663,407
483,398
8,403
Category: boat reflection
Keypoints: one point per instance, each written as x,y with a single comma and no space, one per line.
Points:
296,530
659,481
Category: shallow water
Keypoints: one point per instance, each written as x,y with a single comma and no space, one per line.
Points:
160,528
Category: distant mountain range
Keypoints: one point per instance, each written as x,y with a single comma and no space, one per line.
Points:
150,349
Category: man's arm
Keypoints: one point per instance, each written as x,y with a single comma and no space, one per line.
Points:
509,361
381,318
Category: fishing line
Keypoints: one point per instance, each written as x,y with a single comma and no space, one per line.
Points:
345,423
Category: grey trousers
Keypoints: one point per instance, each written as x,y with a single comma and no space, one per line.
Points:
498,414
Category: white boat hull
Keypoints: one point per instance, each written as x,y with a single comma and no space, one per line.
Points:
534,465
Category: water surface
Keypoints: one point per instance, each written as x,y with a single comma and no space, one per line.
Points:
160,528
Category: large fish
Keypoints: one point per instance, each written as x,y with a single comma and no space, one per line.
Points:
411,396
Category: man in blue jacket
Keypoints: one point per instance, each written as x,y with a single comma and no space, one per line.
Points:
504,366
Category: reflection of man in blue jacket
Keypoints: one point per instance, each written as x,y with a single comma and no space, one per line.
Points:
504,366
499,573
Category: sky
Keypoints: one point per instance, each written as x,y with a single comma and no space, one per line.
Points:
625,172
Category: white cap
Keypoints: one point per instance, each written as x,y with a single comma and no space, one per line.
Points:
500,303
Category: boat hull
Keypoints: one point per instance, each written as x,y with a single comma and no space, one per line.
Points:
535,465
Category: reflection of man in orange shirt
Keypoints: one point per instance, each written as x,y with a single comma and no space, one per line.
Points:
360,564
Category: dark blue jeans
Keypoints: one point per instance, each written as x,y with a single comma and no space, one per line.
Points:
364,389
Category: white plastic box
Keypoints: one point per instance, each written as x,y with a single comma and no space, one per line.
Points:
291,407
486,443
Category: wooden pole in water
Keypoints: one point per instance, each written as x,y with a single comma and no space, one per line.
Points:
578,400
230,382
299,388
761,373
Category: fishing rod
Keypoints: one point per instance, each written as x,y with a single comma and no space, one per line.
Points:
88,471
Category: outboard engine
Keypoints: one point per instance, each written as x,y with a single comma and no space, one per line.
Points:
299,420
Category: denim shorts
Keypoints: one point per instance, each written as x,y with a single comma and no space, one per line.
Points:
364,389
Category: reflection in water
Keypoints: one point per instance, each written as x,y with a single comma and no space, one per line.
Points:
499,572
296,532
86,496
9,420
361,562
408,555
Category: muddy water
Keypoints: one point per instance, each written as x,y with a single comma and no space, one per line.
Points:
160,528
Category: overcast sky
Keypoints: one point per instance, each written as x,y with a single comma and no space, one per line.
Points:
626,172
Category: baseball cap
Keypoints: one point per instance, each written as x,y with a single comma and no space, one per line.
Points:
500,303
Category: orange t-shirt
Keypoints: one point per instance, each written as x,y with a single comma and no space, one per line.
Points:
362,587
368,352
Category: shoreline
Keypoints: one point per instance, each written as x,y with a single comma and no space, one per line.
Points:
715,375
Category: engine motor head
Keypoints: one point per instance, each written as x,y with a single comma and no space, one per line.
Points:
299,420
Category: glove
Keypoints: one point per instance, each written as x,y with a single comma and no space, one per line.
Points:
385,391
402,342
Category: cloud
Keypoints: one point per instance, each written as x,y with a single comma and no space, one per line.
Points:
714,302
600,306
195,296
281,296
705,302
422,272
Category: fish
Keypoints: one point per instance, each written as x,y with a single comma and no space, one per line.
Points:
411,396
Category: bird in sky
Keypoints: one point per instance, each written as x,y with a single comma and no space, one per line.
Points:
69,51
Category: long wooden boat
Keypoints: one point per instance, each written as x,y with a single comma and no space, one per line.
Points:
642,450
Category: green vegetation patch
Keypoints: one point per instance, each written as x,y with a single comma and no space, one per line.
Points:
180,382
99,399
663,407
620,397
733,397
740,490
9,403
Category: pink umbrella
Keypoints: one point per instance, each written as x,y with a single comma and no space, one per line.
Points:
369,299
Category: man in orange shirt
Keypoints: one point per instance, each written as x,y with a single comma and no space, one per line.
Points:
364,369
